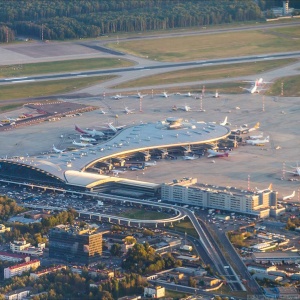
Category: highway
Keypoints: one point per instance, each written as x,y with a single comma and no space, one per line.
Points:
142,67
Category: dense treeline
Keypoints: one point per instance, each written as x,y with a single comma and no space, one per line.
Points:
68,285
143,259
8,208
64,19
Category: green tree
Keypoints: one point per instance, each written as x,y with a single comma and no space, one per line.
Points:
116,250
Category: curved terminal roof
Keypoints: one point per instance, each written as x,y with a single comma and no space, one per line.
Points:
173,132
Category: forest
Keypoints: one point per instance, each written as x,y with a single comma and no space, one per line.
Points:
64,19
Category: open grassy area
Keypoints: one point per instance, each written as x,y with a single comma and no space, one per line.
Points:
230,44
62,66
38,89
207,73
291,87
144,214
175,295
185,226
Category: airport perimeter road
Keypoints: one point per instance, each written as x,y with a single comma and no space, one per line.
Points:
234,257
162,67
222,266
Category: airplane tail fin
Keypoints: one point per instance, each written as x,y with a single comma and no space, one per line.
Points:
270,187
256,125
78,129
293,194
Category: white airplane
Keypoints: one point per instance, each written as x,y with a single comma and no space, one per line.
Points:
224,123
140,95
289,197
216,95
245,129
114,128
296,172
58,150
258,142
12,119
270,188
187,157
150,164
103,112
184,108
117,172
128,111
256,84
213,153
86,139
188,94
92,133
81,144
164,94
118,97
255,137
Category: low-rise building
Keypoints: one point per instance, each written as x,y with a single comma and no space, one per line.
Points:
262,276
276,257
261,269
18,294
6,256
38,274
154,292
20,268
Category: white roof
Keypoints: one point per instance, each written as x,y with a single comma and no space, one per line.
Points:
68,165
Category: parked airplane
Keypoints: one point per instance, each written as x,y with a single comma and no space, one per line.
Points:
255,137
265,190
117,172
245,129
224,123
86,139
187,157
92,133
150,164
184,108
296,171
103,112
58,150
213,153
164,94
118,97
289,197
115,128
258,142
12,119
135,168
81,144
140,95
188,94
128,111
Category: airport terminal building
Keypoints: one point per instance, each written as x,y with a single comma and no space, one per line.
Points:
188,192
90,168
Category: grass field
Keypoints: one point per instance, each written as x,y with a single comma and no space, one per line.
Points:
185,226
207,73
175,295
47,88
63,66
144,214
231,44
291,87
